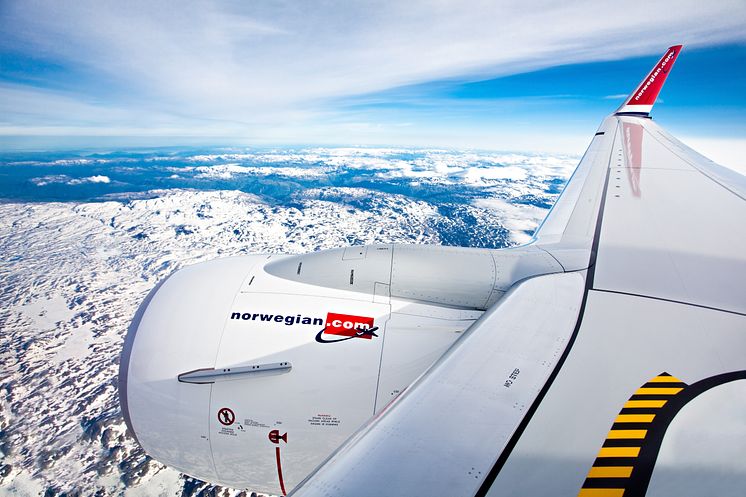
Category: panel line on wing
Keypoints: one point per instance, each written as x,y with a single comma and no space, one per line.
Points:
651,297
505,454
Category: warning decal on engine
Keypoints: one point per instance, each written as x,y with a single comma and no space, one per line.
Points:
323,420
226,416
251,423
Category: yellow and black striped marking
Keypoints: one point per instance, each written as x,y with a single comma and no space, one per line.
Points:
616,461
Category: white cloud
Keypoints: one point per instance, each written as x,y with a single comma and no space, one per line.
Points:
481,175
521,219
97,179
730,153
265,69
67,180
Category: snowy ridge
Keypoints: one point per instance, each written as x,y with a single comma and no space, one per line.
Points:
421,166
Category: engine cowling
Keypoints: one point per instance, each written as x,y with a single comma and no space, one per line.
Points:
249,371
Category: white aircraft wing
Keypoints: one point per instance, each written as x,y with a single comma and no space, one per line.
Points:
624,375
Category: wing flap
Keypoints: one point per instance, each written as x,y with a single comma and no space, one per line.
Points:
573,216
569,230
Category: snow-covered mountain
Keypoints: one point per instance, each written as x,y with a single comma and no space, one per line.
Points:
74,272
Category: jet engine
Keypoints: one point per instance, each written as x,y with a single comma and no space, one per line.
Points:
250,371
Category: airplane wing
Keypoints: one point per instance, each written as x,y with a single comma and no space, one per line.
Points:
623,375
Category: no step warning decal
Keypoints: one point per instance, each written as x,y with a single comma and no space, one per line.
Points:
226,416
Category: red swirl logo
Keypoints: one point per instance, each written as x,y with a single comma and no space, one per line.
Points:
348,327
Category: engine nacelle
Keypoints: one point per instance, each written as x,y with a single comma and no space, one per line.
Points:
249,371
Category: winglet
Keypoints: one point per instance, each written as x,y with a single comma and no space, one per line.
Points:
642,99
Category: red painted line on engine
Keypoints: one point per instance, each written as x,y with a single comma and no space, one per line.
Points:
279,470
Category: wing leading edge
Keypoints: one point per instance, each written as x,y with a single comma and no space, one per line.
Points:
652,240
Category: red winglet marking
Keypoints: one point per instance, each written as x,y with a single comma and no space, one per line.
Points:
650,87
279,470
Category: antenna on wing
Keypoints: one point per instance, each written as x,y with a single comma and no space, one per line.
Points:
641,101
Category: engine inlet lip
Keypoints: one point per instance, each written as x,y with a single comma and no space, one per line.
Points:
124,361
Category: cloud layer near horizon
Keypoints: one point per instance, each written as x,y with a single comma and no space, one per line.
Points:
269,69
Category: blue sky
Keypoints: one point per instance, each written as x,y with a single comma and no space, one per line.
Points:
580,92
701,99
477,73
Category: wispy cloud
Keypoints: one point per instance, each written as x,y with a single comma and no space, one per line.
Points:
243,69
